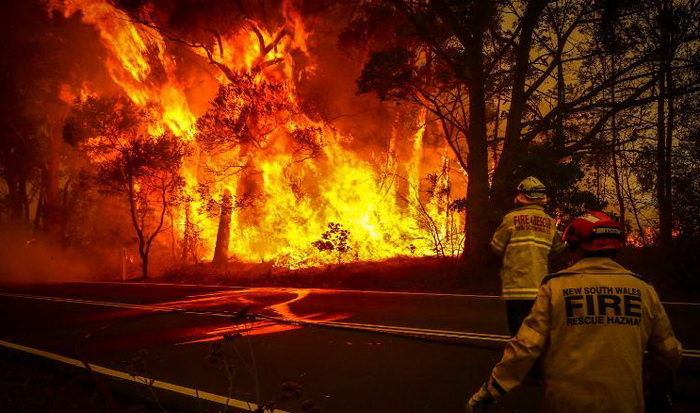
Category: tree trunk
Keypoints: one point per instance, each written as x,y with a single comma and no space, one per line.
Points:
39,215
664,127
143,250
18,220
224,232
662,165
144,265
514,148
559,140
635,212
496,127
52,205
187,233
668,150
477,228
618,185
24,202
614,154
13,200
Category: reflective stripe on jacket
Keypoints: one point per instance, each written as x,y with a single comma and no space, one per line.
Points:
591,324
524,239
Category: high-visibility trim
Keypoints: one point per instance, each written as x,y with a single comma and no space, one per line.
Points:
536,243
520,289
530,240
498,246
520,293
528,237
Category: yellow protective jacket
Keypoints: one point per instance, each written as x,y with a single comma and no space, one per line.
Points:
525,239
590,324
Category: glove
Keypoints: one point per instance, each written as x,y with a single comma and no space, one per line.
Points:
480,398
660,403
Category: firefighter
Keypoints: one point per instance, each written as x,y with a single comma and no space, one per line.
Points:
590,326
525,239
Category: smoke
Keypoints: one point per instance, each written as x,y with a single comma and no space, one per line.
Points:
33,262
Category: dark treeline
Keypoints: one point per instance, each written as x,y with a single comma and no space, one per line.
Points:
599,99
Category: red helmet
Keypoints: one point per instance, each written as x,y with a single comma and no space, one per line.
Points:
594,231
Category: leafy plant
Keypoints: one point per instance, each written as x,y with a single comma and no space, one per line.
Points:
335,239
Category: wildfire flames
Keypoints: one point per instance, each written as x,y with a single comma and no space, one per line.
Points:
299,175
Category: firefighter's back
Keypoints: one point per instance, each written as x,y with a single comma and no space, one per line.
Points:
590,325
533,235
601,321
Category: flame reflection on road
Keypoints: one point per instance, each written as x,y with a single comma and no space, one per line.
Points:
276,303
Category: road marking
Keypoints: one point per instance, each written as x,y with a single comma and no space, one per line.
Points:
338,324
99,303
356,326
407,330
226,401
323,290
359,326
145,284
326,290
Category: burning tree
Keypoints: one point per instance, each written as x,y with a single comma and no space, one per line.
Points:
248,117
335,239
142,168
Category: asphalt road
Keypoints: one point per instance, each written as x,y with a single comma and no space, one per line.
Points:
342,351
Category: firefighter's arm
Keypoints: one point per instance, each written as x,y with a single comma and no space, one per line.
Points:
521,353
557,243
665,350
501,236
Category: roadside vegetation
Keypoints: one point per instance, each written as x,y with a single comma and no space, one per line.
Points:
675,277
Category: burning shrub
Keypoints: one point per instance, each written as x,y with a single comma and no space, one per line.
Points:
335,239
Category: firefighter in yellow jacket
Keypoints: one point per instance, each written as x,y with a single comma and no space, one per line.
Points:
590,326
525,239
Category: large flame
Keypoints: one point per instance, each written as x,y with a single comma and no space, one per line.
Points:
296,197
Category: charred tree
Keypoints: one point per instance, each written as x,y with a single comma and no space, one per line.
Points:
187,233
224,232
664,124
53,215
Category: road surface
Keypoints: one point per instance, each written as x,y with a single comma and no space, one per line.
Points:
342,351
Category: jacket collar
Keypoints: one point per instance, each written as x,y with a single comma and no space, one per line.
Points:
530,206
597,265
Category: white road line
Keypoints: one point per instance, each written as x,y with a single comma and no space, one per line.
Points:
326,290
357,326
226,401
224,287
106,303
